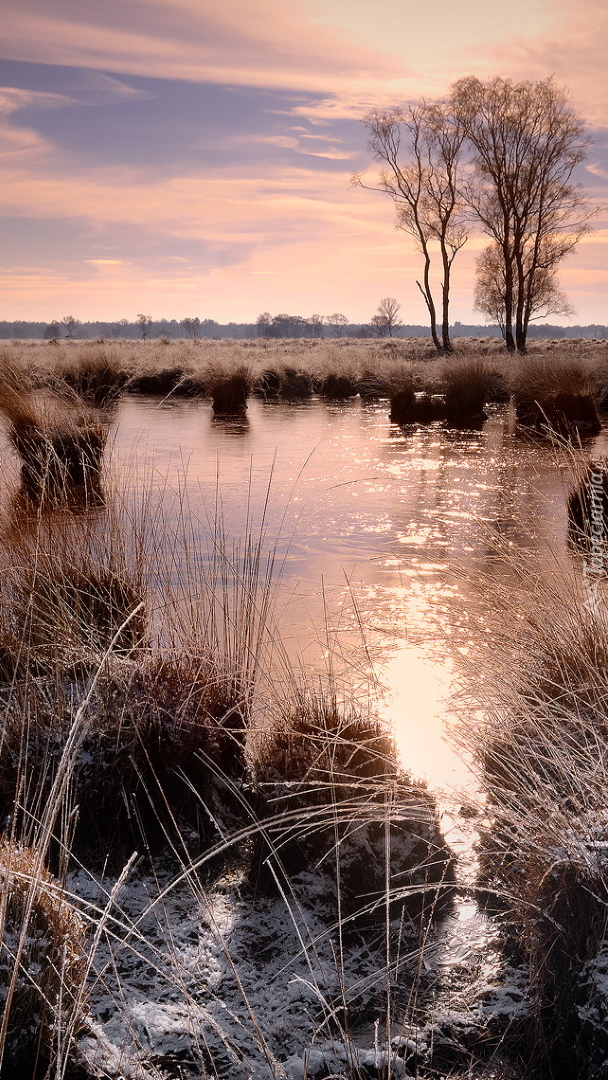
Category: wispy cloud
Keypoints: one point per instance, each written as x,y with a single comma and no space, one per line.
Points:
161,150
13,98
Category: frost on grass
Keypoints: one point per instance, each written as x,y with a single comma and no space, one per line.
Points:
217,982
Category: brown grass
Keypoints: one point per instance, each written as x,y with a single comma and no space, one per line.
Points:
42,965
542,658
588,511
466,385
333,796
162,741
61,450
96,374
402,396
230,389
556,394
337,387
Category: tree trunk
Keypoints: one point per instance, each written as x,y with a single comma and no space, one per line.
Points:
430,303
509,338
445,301
520,320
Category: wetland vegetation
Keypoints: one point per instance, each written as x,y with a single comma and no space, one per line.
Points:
221,854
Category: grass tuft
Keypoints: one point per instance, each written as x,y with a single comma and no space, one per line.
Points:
556,395
230,389
542,659
466,384
333,796
61,450
97,375
42,966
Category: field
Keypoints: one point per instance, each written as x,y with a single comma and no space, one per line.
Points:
216,860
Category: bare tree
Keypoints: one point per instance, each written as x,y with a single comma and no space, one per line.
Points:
192,327
337,322
52,331
386,318
316,325
70,324
117,328
262,323
527,141
144,322
424,189
544,299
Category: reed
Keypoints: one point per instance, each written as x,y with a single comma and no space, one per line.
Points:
556,394
61,451
43,961
466,385
542,658
333,796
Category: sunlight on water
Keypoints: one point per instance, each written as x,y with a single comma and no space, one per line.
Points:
379,532
418,708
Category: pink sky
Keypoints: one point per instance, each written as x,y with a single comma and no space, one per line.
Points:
183,158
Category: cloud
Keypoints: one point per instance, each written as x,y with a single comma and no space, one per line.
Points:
297,142
573,48
269,43
21,141
217,162
13,99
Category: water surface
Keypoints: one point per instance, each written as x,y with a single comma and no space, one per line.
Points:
378,530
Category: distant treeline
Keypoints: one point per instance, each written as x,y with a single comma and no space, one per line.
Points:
279,327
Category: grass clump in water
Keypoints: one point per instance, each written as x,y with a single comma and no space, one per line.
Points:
402,397
230,389
97,374
60,450
556,394
336,386
334,799
160,744
588,513
466,385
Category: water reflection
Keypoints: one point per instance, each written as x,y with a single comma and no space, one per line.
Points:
231,425
370,521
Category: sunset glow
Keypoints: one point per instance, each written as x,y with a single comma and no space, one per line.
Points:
178,158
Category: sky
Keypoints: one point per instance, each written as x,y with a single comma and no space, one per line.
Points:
183,157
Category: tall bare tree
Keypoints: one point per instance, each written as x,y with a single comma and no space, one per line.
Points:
527,141
192,327
386,318
424,188
337,322
144,322
70,324
543,296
